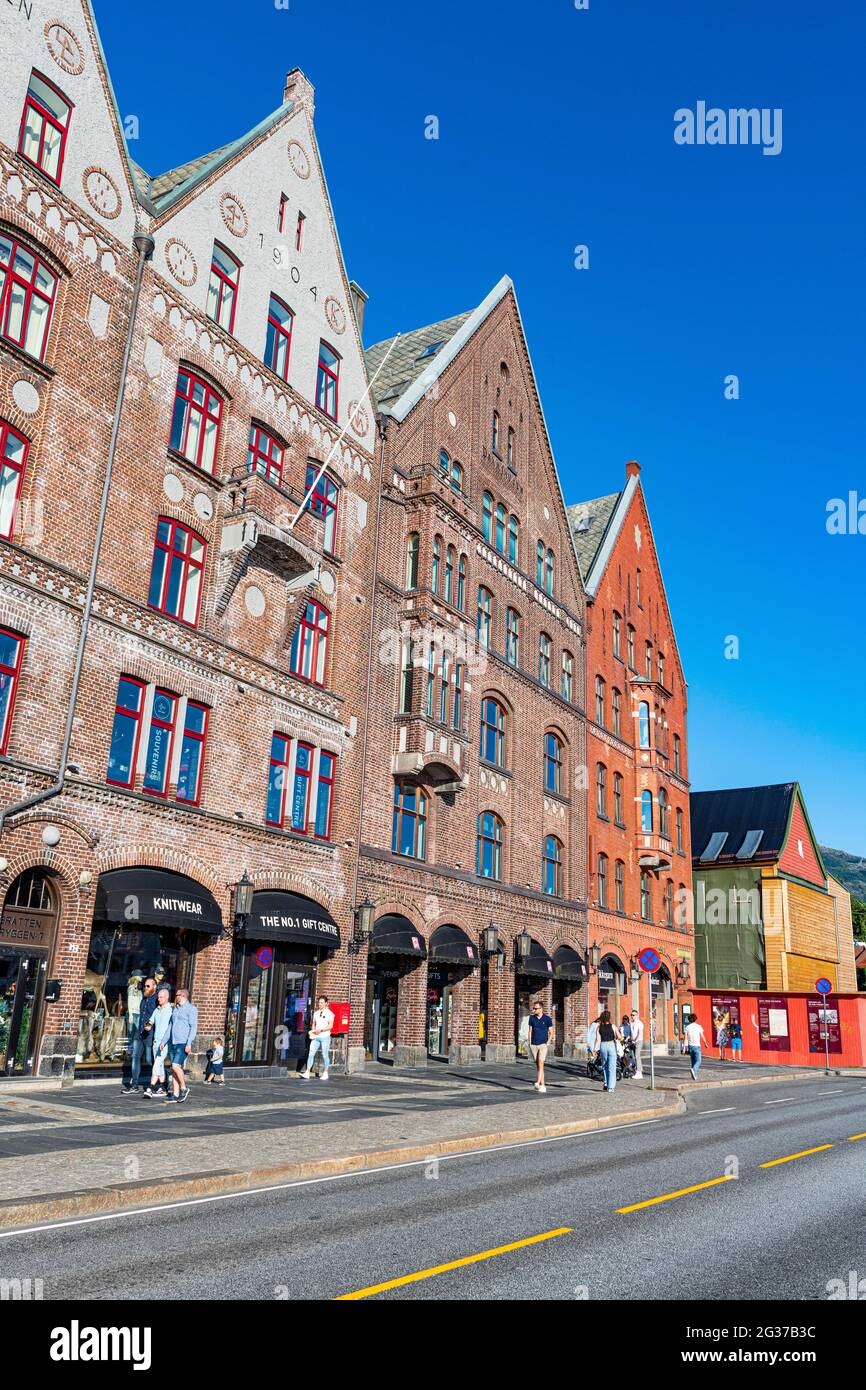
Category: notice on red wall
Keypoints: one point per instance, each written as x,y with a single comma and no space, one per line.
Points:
823,1015
726,1010
774,1035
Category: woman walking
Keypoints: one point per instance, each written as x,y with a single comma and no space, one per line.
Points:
608,1035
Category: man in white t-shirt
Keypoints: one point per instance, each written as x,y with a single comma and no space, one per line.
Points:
320,1038
695,1037
637,1039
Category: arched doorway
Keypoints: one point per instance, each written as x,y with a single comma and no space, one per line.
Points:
452,956
569,974
661,990
611,985
396,948
28,927
532,980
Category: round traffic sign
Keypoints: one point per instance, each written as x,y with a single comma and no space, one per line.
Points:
265,956
824,986
649,960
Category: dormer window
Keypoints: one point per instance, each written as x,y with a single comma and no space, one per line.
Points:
44,127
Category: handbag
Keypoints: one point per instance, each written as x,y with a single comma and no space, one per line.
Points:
620,1050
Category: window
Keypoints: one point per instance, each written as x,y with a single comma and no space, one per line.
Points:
637,589
192,753
299,814
567,676
539,564
548,573
451,470
437,558
281,215
619,885
312,788
195,423
669,903
599,701
456,476
487,517
646,812
176,572
662,726
44,127
616,712
225,274
412,546
485,611
410,820
495,442
660,663
450,556
461,583
680,849
13,457
500,529
27,290
664,810
265,455
617,635
488,853
509,457
551,867
278,779
630,639
643,724
458,695
160,740
407,677
492,742
677,746
299,231
649,660
310,644
544,660
552,763
444,678
617,798
11,648
601,790
326,380
125,733
324,795
513,539
602,880
646,905
431,677
512,637
278,340
324,502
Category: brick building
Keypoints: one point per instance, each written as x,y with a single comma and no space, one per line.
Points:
473,849
187,510
638,812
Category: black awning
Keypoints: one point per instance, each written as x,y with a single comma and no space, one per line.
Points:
451,945
155,898
289,917
537,963
394,935
568,964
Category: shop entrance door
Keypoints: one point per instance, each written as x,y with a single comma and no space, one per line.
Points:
558,1016
22,974
438,1019
382,1018
523,995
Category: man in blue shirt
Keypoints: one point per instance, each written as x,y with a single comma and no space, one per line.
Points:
184,1026
540,1038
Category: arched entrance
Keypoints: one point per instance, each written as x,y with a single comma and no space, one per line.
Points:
661,990
534,973
569,974
452,956
611,985
396,948
28,927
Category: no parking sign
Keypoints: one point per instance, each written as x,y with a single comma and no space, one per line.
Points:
264,956
649,961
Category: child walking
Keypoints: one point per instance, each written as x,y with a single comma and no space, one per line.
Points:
213,1072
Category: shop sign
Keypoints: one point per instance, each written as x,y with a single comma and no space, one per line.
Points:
825,1032
726,1010
773,1031
606,978
20,926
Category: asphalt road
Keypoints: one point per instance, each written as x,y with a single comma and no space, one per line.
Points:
776,1232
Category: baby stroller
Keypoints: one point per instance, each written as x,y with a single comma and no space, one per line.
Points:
626,1066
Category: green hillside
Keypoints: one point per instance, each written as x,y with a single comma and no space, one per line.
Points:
849,869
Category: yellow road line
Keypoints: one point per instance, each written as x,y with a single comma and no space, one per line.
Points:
789,1158
852,1137
669,1196
453,1264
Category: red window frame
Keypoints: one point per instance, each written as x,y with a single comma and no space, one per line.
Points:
14,466
265,454
280,334
323,780
283,762
281,215
324,502
136,717
299,231
226,286
202,409
171,548
171,725
197,736
47,117
328,375
319,630
12,673
307,774
9,276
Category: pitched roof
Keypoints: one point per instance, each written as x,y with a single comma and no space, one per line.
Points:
733,813
589,522
414,353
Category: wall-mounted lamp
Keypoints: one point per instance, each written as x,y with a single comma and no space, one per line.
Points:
365,918
490,941
244,889
594,957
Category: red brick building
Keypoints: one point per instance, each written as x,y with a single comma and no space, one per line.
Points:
638,813
473,848
188,511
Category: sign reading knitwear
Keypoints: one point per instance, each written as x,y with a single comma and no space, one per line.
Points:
773,1028
155,898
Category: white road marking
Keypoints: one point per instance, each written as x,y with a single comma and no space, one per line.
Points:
723,1110
836,1092
780,1101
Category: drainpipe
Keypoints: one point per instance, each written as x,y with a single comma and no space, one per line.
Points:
143,244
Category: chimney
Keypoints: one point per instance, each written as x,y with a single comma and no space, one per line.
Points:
632,469
300,91
359,300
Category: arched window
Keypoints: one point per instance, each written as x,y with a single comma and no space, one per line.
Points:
222,290
602,880
646,900
412,548
444,682
630,641
310,644
513,539
327,380
409,827
407,676
458,695
488,854
265,454
437,556
544,646
643,724
13,457
195,421
664,807
616,712
492,742
599,701
445,464
500,529
509,457
431,678
648,663
176,571
548,572
567,676
601,790
456,476
660,662
646,812
617,798
663,731
485,614
324,502
680,849
11,649
461,583
44,127
450,555
617,635
495,441
669,903
677,755
27,293
512,637
619,885
278,340
551,867
552,763
487,517
539,564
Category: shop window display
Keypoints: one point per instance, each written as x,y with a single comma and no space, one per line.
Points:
118,963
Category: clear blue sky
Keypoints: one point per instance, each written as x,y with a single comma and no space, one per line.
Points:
556,128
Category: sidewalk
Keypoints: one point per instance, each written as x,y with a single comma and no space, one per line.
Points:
91,1149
